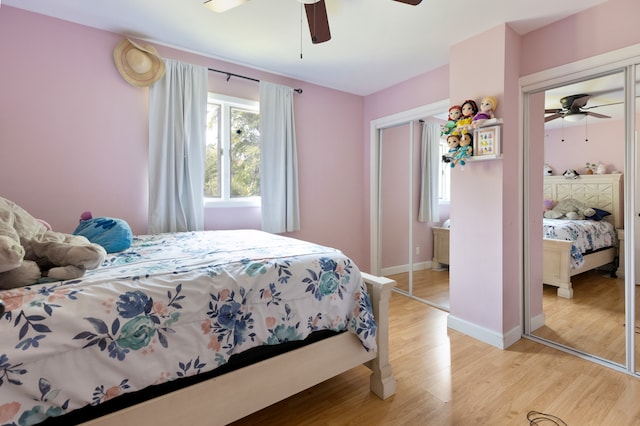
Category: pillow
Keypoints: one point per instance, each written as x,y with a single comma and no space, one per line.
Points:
113,234
599,215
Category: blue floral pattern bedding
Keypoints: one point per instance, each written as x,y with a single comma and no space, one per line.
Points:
587,235
173,305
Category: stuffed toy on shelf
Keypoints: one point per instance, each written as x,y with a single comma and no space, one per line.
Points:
465,150
455,112
453,140
469,110
487,107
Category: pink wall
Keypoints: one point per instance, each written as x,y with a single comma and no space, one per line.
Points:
609,26
476,279
605,144
62,98
74,135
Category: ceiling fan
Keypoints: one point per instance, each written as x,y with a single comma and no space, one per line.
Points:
573,109
316,11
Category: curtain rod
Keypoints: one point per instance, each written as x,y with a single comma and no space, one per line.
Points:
230,74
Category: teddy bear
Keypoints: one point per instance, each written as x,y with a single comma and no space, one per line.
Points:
569,209
30,252
548,171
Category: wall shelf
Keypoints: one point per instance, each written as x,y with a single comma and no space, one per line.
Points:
484,157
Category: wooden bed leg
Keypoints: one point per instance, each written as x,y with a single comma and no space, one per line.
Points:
382,381
567,293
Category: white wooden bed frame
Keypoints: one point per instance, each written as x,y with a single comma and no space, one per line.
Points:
601,191
232,396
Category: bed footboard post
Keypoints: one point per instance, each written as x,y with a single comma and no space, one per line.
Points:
382,381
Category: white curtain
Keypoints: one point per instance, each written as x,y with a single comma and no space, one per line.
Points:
177,138
278,160
429,178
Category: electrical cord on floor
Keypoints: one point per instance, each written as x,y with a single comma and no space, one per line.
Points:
538,418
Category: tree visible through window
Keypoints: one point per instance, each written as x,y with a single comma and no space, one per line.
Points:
232,169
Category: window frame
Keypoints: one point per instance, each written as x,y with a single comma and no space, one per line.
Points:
444,175
226,103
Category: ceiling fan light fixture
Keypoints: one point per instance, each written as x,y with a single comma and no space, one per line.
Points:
220,6
308,1
574,117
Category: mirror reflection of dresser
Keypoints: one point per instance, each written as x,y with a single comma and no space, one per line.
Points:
440,248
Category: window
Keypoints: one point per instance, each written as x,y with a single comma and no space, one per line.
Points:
232,161
445,174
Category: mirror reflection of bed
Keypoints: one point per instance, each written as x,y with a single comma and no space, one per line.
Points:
583,300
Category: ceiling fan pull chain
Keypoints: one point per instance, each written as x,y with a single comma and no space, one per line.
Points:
586,129
301,27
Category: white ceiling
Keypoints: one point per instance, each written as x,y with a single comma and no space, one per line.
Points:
606,96
375,43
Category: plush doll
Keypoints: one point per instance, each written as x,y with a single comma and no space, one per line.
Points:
570,209
29,251
469,110
453,140
487,107
571,174
548,171
455,112
465,150
113,234
547,205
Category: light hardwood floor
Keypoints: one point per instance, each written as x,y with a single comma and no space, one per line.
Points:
428,284
447,378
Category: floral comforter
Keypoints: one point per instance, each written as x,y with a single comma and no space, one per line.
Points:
587,235
171,306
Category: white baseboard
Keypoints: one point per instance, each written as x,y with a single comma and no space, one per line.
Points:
493,338
537,321
400,269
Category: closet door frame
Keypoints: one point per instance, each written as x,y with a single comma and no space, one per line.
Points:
376,128
627,59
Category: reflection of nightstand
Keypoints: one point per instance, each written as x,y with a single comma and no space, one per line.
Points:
440,247
620,271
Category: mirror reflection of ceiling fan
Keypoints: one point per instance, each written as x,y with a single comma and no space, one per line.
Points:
573,109
316,11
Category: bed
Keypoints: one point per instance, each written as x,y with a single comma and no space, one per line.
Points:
182,306
559,255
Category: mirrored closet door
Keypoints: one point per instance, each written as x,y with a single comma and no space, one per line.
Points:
404,243
578,151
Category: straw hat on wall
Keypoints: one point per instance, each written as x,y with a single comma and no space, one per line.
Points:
140,66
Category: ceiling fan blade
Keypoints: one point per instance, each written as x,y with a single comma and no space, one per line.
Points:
552,117
411,2
223,5
596,115
552,111
318,22
574,102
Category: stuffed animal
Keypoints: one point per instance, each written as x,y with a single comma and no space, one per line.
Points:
601,169
29,251
465,150
469,110
548,171
113,234
453,140
548,205
487,106
570,174
452,119
569,209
